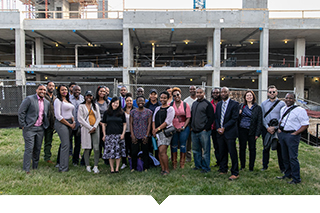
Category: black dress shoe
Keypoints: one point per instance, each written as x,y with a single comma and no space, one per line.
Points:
283,177
263,169
293,182
195,168
204,171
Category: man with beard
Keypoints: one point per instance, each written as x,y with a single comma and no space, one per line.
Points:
33,118
294,120
189,100
140,92
107,95
202,117
271,110
48,133
122,98
227,113
76,99
215,95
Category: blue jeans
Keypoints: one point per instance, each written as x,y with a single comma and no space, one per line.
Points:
182,137
201,141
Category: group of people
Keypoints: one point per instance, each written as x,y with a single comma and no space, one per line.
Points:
117,128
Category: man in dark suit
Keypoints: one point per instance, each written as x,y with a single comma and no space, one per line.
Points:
33,118
123,93
227,113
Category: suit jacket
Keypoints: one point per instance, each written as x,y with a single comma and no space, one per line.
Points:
230,122
28,112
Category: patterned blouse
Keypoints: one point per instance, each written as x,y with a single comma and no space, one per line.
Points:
140,122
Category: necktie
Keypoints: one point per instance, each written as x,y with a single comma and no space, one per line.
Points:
223,110
122,101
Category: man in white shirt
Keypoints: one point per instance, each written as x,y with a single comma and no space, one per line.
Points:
189,100
293,121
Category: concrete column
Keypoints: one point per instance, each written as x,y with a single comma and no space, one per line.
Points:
264,57
299,51
216,57
20,55
210,50
208,90
39,51
127,54
298,83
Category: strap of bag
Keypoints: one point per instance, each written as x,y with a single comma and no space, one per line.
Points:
184,105
286,113
273,106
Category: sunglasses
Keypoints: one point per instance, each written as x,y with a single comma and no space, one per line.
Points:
270,92
176,95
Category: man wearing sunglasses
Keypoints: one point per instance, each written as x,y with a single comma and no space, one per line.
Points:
270,110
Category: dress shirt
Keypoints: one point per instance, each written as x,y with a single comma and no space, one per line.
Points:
76,102
226,103
275,113
294,119
41,111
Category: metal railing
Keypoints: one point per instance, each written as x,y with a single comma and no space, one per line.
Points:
73,14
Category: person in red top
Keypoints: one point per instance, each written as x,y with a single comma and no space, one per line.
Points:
180,122
215,95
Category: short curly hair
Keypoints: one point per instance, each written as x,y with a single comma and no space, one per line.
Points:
176,89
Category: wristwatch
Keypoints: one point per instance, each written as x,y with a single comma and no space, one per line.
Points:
159,129
182,127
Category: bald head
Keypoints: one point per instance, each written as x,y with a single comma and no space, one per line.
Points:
225,93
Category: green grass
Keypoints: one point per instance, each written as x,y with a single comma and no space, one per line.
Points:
48,181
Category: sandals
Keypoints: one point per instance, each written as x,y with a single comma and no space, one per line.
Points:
164,173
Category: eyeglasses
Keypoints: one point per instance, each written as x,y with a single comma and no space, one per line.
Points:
176,95
215,92
270,92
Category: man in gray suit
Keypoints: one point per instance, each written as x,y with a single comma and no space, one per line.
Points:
33,119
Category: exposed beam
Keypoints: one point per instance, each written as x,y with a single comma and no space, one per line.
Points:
248,36
171,34
49,39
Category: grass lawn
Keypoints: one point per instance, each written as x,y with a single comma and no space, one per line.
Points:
48,181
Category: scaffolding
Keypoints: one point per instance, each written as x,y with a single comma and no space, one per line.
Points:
8,4
35,5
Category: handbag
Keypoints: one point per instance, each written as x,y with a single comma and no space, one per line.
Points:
168,132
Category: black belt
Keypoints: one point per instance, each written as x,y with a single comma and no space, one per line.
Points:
289,131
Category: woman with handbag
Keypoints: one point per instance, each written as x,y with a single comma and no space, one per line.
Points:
163,129
140,125
180,122
89,118
250,125
114,128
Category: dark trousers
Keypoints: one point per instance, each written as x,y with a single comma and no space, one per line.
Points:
77,146
32,146
244,137
215,145
127,139
289,146
48,134
266,153
189,148
135,148
228,146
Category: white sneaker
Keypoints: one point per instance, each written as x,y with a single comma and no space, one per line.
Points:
57,166
95,170
123,166
88,169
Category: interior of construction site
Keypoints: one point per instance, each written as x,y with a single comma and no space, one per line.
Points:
107,41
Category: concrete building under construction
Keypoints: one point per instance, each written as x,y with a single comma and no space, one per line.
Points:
249,47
